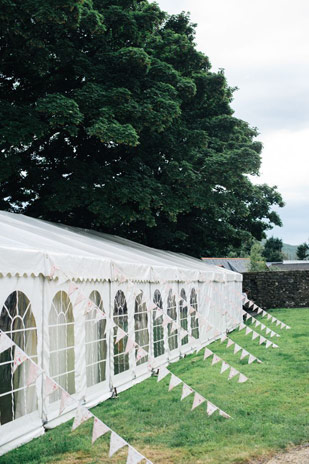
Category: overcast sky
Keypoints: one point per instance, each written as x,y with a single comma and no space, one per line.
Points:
263,47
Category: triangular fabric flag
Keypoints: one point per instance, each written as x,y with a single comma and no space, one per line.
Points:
237,348
244,353
242,326
215,360
251,359
19,358
268,317
264,313
207,353
223,414
100,315
49,387
134,457
5,342
65,401
79,298
268,330
141,353
223,338
272,334
163,372
166,320
191,310
263,326
273,319
183,333
130,345
278,322
268,343
116,443
120,334
186,391
211,408
260,310
232,373
89,306
225,366
275,346
99,429
174,327
62,278
72,288
248,330
34,372
174,381
282,325
255,335
198,400
248,317
82,415
262,340
242,378
255,307
288,327
229,343
257,323
158,314
151,306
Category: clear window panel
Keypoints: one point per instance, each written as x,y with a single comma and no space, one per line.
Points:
158,330
121,360
172,312
141,327
184,315
194,321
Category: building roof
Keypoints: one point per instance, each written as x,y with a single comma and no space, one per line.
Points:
233,264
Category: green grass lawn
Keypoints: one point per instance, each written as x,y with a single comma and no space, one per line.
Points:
269,412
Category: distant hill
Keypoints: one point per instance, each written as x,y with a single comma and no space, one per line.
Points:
289,251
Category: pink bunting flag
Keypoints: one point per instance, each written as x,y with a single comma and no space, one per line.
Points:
207,353
268,343
232,373
166,320
224,414
223,338
264,313
173,327
99,429
100,315
130,345
53,270
268,317
134,457
263,326
215,360
151,306
225,366
242,326
79,298
116,442
174,382
34,372
49,386
273,319
183,333
141,353
186,391
89,306
120,334
255,335
248,330
272,334
163,372
244,353
237,348
5,342
260,310
191,310
229,343
198,400
268,330
82,415
257,323
65,401
19,358
262,340
72,288
211,408
275,346
242,378
251,359
248,316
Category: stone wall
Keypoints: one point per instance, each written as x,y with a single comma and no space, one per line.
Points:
278,289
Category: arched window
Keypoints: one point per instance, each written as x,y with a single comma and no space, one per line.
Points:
172,312
17,321
121,360
96,347
61,343
158,330
194,321
141,326
184,315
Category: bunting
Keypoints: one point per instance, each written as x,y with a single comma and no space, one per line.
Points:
99,429
116,443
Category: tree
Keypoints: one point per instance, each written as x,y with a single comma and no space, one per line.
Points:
302,252
257,262
112,120
273,250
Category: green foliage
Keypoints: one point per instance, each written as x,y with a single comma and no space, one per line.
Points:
269,412
257,262
302,252
111,119
273,249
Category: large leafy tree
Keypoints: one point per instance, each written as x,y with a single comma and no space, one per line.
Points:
111,119
273,249
302,252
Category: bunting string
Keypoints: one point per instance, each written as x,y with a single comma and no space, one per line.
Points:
263,313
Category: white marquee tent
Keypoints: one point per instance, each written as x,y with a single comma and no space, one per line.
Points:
78,351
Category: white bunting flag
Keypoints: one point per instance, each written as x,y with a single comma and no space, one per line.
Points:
166,320
186,391
163,372
254,335
268,330
263,326
207,353
268,317
211,408
141,353
215,360
120,334
257,323
89,306
242,378
116,443
198,400
174,381
278,322
19,358
34,372
242,326
251,359
223,338
275,346
173,327
191,310
229,343
287,327
264,313
158,314
244,353
5,342
130,345
49,387
282,325
72,288
232,373
183,333
82,415
260,310
79,299
248,317
99,429
223,414
237,348
225,366
134,457
272,334
262,340
255,307
99,315
268,343
150,306
65,401
248,330
273,319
